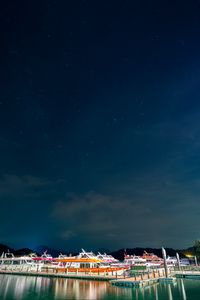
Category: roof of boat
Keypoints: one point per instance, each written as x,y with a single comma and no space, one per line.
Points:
15,258
43,258
79,260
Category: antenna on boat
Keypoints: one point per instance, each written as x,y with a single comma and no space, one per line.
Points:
125,253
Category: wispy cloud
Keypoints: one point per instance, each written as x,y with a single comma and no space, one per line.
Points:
150,210
14,185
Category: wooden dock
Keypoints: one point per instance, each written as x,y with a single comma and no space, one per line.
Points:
139,280
59,275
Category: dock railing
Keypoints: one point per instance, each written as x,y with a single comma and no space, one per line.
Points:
137,274
187,268
56,272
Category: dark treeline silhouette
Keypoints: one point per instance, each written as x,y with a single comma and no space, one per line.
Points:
118,254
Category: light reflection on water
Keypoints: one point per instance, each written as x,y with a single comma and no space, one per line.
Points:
38,288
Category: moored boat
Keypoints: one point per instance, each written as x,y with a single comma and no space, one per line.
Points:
107,258
9,262
171,261
87,265
134,260
152,260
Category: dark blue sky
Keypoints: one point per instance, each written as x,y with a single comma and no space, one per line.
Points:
100,123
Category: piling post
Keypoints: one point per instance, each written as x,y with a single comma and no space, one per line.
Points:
195,260
178,260
165,262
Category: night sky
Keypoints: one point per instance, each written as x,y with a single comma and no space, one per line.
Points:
100,123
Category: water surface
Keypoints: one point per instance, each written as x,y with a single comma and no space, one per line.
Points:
38,288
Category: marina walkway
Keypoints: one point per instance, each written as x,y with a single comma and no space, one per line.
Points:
60,275
139,280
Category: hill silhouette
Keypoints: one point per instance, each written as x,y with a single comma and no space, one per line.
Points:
118,254
18,252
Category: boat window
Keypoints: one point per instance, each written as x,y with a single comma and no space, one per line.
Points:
7,262
84,266
16,262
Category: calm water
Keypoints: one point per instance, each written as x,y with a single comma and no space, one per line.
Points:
29,288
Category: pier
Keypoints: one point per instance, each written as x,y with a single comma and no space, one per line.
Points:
59,275
66,275
141,278
137,279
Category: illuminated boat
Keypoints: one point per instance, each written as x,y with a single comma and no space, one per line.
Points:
85,254
171,261
134,260
107,258
45,257
184,262
103,257
152,260
86,266
9,262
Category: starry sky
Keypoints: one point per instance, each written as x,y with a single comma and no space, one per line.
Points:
100,123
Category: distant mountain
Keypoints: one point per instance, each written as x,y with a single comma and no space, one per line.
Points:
5,248
41,249
19,252
51,251
23,252
119,254
102,250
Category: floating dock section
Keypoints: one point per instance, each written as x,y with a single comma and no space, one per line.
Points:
187,274
131,282
144,279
